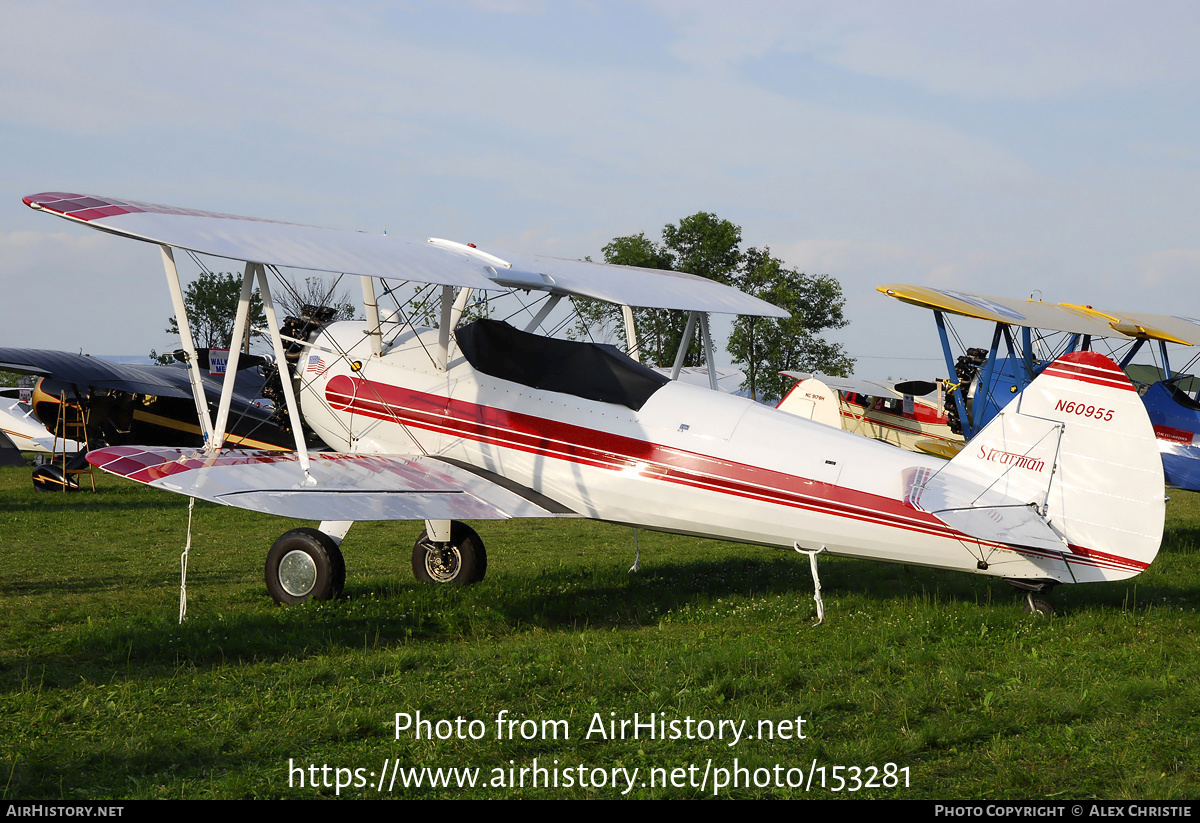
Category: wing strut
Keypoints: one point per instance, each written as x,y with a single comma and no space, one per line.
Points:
708,351
231,368
443,349
977,422
686,342
460,306
631,340
940,319
284,378
547,307
189,346
688,331
371,307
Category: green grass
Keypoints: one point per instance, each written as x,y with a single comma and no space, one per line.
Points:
103,694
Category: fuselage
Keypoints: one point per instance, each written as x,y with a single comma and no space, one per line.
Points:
885,419
689,461
27,433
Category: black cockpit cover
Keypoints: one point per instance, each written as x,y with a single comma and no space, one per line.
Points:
593,371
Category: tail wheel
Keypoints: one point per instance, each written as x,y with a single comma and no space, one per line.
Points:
461,562
50,478
305,564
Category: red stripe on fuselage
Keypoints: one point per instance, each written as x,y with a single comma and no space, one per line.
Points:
577,444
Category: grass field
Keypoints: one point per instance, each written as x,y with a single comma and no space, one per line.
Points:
103,694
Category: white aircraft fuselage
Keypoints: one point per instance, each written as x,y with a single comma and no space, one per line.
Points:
690,461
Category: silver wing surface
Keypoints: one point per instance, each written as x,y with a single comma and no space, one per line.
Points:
854,385
342,486
290,245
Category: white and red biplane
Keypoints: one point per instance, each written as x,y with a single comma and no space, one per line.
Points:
493,422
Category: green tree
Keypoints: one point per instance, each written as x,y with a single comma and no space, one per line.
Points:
702,244
764,346
708,246
211,301
705,245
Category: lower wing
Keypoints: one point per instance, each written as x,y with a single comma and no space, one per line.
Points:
339,486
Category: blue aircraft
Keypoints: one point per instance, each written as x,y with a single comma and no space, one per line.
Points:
1029,334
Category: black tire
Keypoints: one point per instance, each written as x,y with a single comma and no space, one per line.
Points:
1038,605
305,564
49,478
460,562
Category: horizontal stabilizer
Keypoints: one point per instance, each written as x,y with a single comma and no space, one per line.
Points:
342,486
956,502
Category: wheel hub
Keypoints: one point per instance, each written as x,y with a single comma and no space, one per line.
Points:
297,573
442,562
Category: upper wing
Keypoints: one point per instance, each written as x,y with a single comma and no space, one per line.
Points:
633,286
1171,328
343,487
95,372
1029,313
83,370
854,385
449,264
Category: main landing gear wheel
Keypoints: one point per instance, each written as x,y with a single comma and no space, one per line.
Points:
50,478
305,564
462,561
1038,605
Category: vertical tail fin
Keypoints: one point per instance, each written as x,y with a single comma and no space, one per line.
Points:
813,400
1070,466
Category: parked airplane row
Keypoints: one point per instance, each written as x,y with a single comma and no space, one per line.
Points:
939,421
1034,333
481,420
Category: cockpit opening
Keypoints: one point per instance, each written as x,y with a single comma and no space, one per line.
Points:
593,371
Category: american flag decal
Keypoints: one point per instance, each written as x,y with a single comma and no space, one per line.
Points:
315,364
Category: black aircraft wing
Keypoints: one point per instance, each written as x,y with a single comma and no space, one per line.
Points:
151,405
85,371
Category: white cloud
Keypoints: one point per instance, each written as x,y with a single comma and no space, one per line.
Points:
352,117
1022,50
81,289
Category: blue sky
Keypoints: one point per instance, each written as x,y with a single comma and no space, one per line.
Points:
990,147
